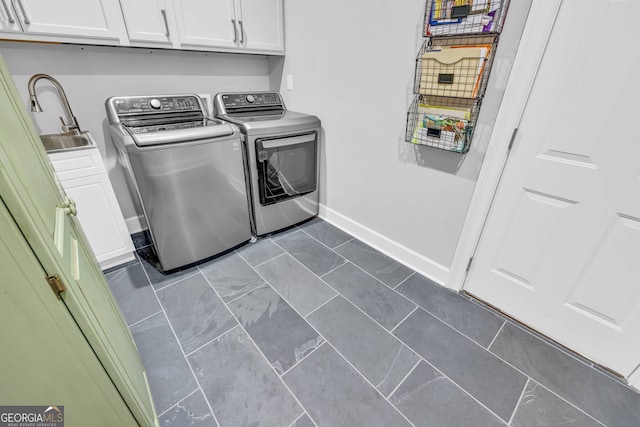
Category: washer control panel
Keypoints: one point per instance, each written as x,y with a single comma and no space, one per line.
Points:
239,100
149,104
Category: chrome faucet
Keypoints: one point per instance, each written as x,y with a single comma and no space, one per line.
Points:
72,126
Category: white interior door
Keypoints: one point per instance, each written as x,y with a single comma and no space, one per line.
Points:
560,250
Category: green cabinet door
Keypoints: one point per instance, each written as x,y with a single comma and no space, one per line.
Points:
37,203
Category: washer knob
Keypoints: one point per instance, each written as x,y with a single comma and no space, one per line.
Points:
251,99
155,104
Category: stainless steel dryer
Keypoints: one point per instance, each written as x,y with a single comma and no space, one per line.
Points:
185,173
282,157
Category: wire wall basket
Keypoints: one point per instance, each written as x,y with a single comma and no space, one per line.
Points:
455,67
456,17
438,122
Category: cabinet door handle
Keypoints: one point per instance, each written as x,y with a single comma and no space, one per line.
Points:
9,17
166,24
241,33
235,31
24,13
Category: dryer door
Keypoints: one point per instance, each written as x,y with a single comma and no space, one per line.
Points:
286,166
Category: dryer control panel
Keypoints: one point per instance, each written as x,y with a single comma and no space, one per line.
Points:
235,101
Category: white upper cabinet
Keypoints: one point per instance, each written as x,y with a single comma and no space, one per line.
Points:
148,21
246,25
206,23
8,18
99,19
261,23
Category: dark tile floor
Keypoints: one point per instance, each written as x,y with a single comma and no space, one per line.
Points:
312,327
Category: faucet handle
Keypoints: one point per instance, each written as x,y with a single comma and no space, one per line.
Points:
70,127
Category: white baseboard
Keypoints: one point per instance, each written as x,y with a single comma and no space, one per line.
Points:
423,265
136,224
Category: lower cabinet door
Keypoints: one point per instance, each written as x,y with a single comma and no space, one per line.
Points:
101,220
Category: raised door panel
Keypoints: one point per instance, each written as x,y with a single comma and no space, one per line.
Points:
207,23
146,20
30,192
262,24
92,305
100,218
559,249
8,18
78,18
47,358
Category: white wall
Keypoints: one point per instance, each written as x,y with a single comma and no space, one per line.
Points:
353,65
91,74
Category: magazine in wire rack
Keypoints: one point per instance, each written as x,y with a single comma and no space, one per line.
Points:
447,128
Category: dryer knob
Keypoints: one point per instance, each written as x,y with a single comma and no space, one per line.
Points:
251,99
155,104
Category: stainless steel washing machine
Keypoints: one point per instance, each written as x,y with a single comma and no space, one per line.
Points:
282,157
185,173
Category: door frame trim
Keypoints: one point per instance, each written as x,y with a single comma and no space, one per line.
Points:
533,43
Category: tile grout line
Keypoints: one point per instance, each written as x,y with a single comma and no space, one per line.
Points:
333,269
176,404
297,419
567,402
210,341
461,388
403,343
120,268
172,283
354,305
256,345
261,285
515,409
341,355
335,349
142,320
320,306
551,344
405,318
545,340
387,286
406,376
450,379
497,333
320,241
305,356
263,263
547,388
195,378
343,243
410,276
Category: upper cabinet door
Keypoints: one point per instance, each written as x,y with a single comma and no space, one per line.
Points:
262,24
8,17
147,20
79,18
207,23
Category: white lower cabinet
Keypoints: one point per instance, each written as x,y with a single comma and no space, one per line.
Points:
84,178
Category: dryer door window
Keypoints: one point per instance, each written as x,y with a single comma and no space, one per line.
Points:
286,167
